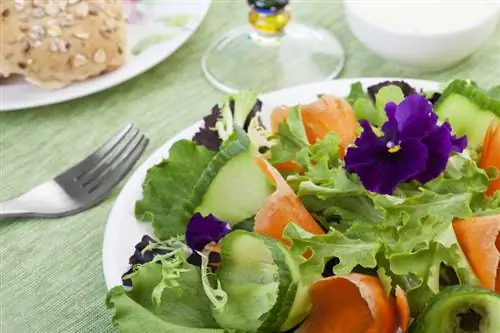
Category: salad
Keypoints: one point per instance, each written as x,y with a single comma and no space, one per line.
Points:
375,213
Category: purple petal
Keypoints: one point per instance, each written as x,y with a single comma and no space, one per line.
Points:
390,127
439,147
415,117
367,137
458,144
202,231
368,144
381,172
356,157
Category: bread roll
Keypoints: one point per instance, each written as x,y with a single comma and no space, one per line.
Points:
55,42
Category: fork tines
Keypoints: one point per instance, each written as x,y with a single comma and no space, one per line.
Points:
111,162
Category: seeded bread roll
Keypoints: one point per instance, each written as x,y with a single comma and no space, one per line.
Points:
55,42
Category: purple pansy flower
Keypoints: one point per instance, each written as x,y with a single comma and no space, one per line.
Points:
413,147
202,231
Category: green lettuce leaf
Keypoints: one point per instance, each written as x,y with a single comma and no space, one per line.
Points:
185,312
388,94
167,190
363,106
463,175
405,236
494,93
374,112
418,272
350,252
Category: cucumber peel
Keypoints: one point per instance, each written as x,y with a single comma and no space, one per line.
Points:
460,309
469,110
261,284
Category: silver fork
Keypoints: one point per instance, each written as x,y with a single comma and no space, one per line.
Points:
85,184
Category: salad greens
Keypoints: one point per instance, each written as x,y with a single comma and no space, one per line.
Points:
168,209
291,138
409,231
178,311
209,271
238,110
193,172
494,92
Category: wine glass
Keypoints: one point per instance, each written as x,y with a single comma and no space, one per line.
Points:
272,53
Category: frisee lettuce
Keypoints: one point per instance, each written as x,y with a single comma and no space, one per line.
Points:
185,312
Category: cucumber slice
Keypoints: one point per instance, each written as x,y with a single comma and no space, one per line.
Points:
468,109
261,280
239,188
460,309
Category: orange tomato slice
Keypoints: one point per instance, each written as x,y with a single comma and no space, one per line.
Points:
491,154
479,238
354,303
282,207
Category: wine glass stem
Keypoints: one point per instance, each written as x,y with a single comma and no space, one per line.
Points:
269,22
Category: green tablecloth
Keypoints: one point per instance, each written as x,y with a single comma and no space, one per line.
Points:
51,278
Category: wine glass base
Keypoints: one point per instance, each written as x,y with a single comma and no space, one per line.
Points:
244,59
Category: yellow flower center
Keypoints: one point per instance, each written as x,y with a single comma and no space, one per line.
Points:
394,149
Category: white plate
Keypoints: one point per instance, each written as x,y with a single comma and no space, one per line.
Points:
123,231
172,20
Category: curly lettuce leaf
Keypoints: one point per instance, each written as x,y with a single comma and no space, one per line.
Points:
419,272
290,138
167,189
185,312
463,175
409,230
350,252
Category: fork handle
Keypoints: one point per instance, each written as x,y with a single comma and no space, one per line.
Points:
12,209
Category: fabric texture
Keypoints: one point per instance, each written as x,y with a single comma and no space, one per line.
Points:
51,278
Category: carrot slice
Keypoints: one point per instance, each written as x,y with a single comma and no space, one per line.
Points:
354,303
479,238
278,116
330,114
403,309
491,154
326,115
282,207
289,166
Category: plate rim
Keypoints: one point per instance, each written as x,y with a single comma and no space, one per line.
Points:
113,78
138,175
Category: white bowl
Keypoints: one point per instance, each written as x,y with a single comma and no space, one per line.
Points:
425,50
